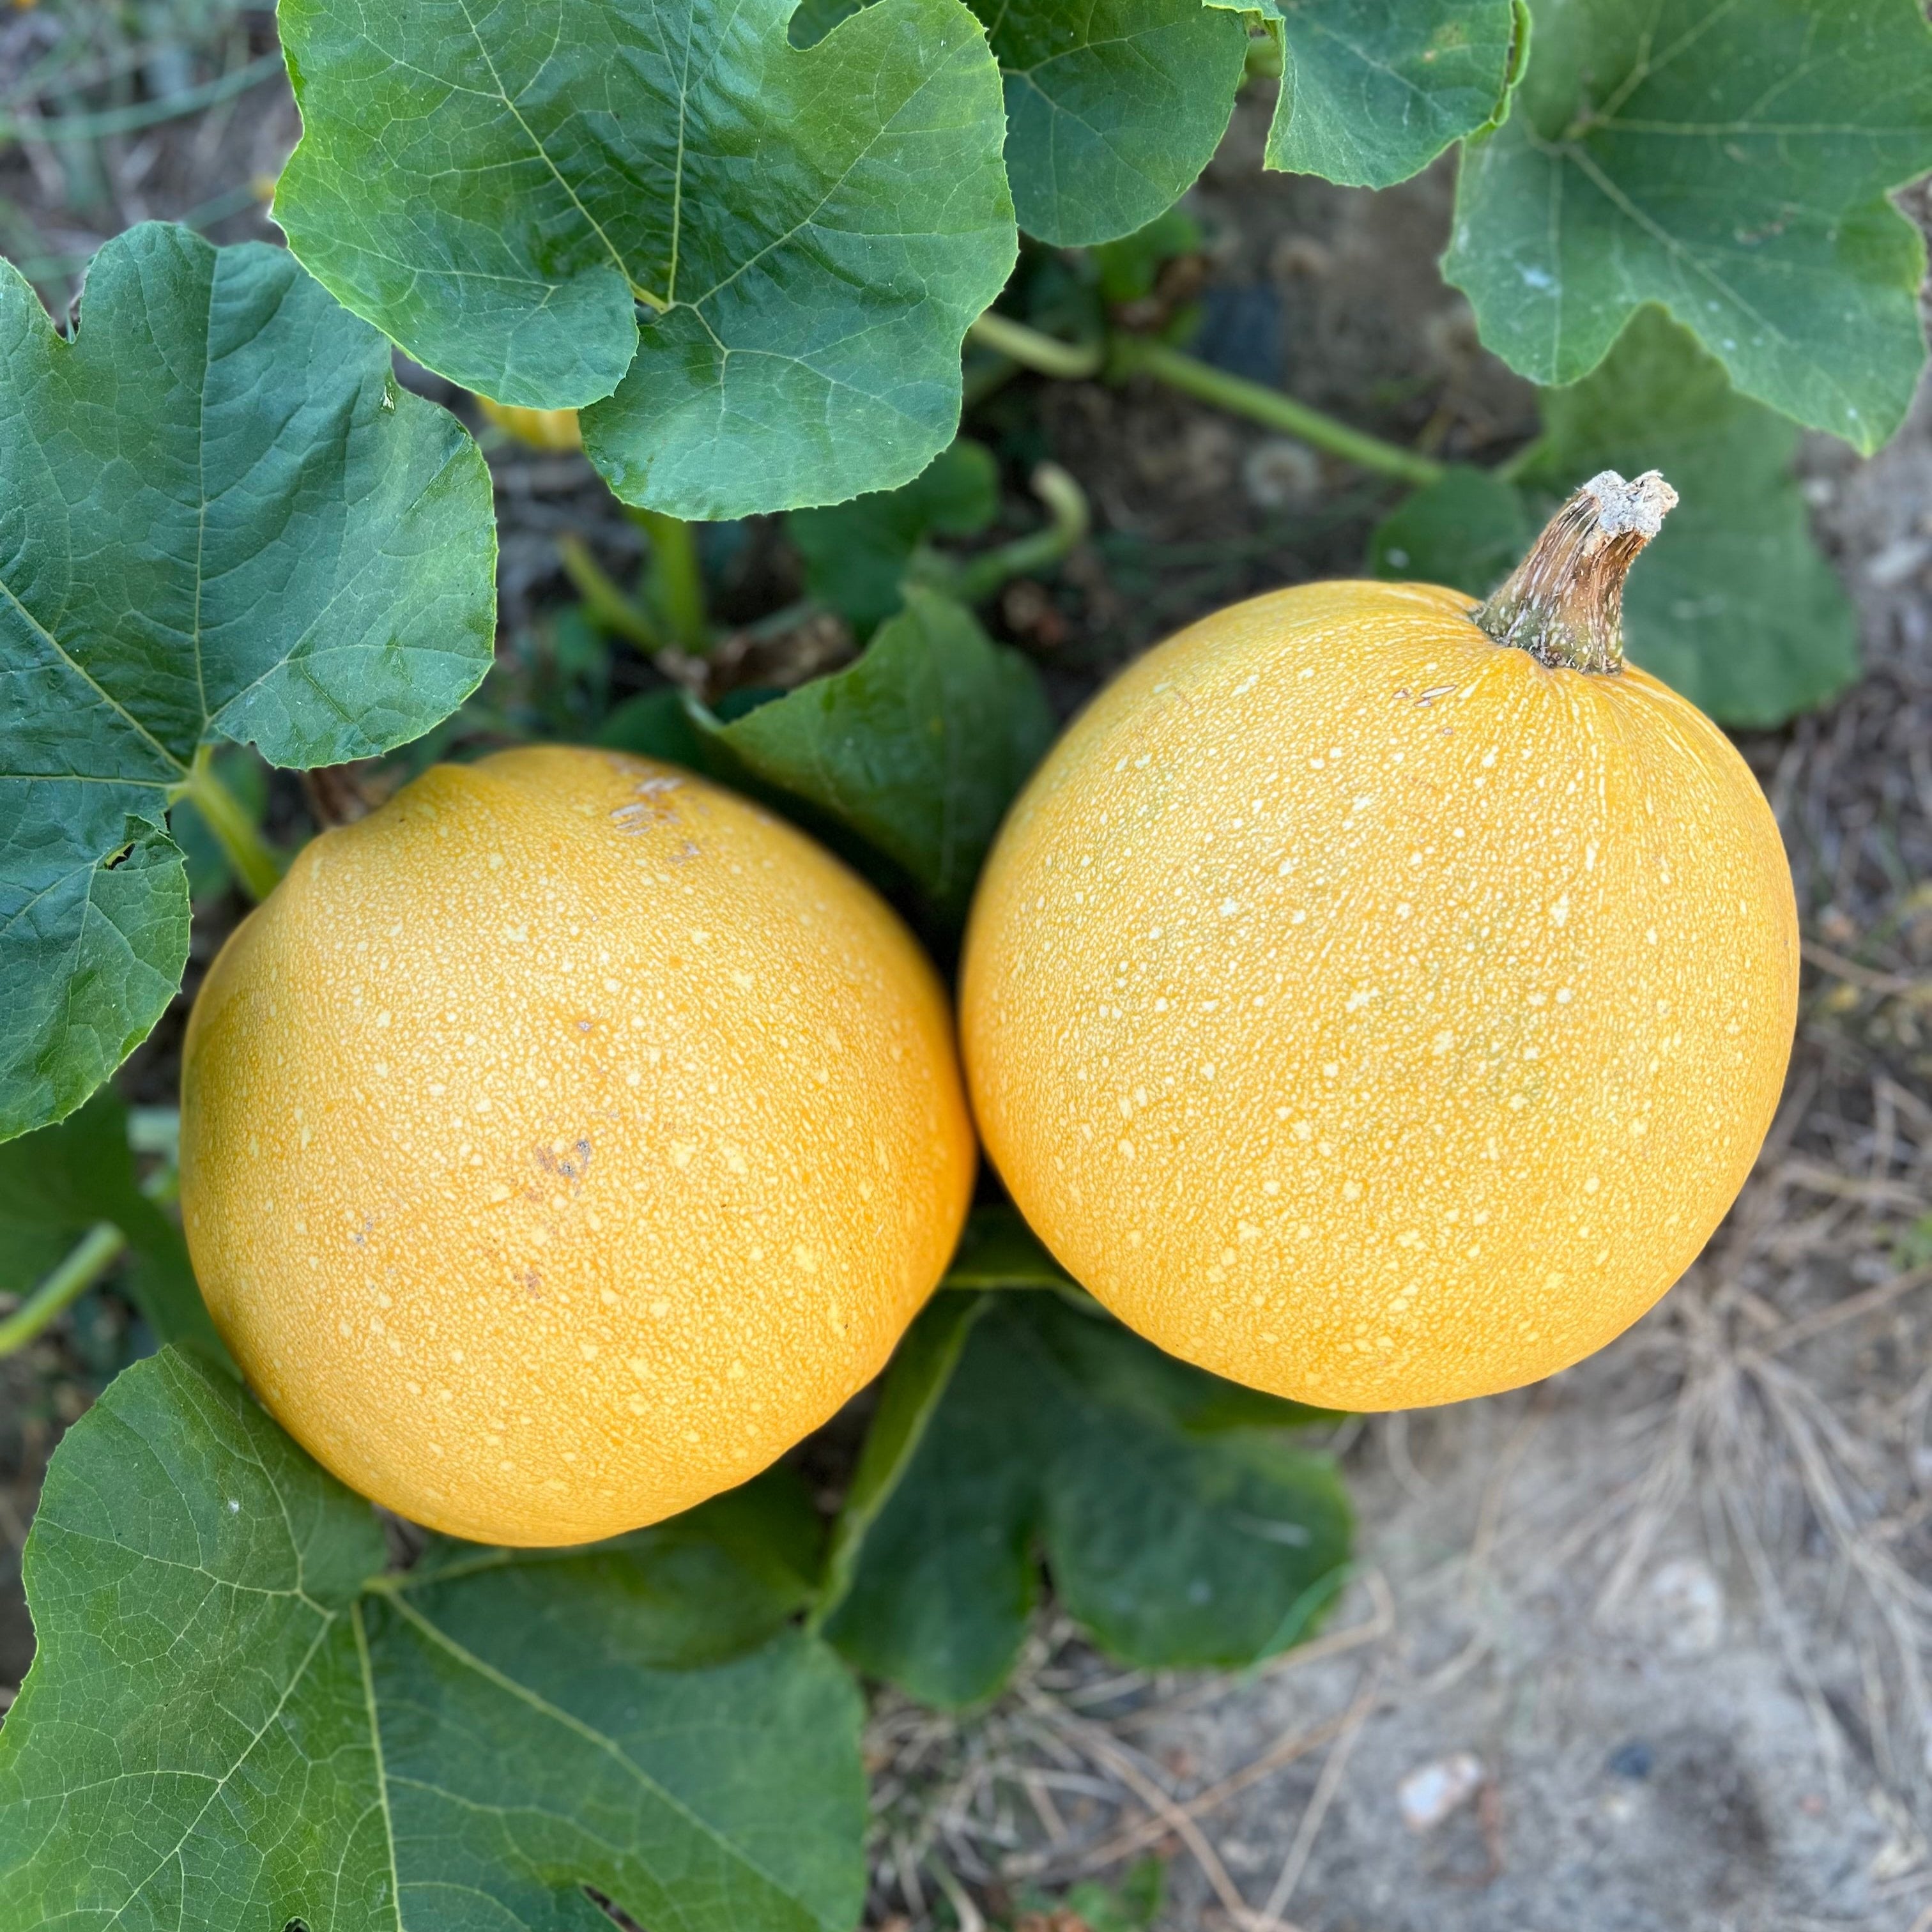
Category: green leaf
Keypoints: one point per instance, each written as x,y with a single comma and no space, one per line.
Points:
56,1184
225,521
1180,1534
1372,93
811,229
235,1721
1129,268
1730,162
1113,107
918,748
1469,530
1732,604
998,1250
856,554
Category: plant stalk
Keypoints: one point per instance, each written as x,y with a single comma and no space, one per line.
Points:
1564,603
255,862
1069,520
92,1256
1140,356
605,603
674,582
1046,355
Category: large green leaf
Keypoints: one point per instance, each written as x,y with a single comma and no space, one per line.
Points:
1178,1528
808,231
1732,604
1469,530
235,1721
1113,106
918,748
223,519
57,1183
1371,92
1730,161
856,554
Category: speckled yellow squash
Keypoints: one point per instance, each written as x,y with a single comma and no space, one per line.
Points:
1380,1007
562,1142
541,429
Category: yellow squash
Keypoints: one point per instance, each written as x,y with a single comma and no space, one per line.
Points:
562,1142
1380,1011
541,429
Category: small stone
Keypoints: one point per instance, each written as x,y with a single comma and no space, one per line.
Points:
1684,1604
1634,1759
1431,1791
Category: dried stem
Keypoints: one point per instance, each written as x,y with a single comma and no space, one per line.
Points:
1564,603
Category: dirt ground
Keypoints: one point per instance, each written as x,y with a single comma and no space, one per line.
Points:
1642,1649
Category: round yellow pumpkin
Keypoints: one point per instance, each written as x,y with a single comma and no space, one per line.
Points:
1376,1012
564,1140
541,429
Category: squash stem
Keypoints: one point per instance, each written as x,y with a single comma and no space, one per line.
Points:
1564,603
1032,349
254,861
1142,355
1138,355
673,579
605,603
91,1257
1066,504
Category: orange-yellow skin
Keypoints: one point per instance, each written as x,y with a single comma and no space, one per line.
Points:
541,429
1368,1014
564,1140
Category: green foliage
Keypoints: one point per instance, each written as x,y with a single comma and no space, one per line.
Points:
1372,93
1132,1906
236,1719
856,554
1129,268
810,229
1112,108
1468,531
918,748
1176,1528
226,521
57,1183
1732,604
1730,162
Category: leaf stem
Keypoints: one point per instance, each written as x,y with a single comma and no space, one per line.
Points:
1126,356
605,603
255,862
1066,501
90,1258
1140,356
1033,349
674,583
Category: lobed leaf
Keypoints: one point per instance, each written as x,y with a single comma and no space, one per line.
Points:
1176,1530
235,1719
1371,94
918,748
1730,162
808,230
223,519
